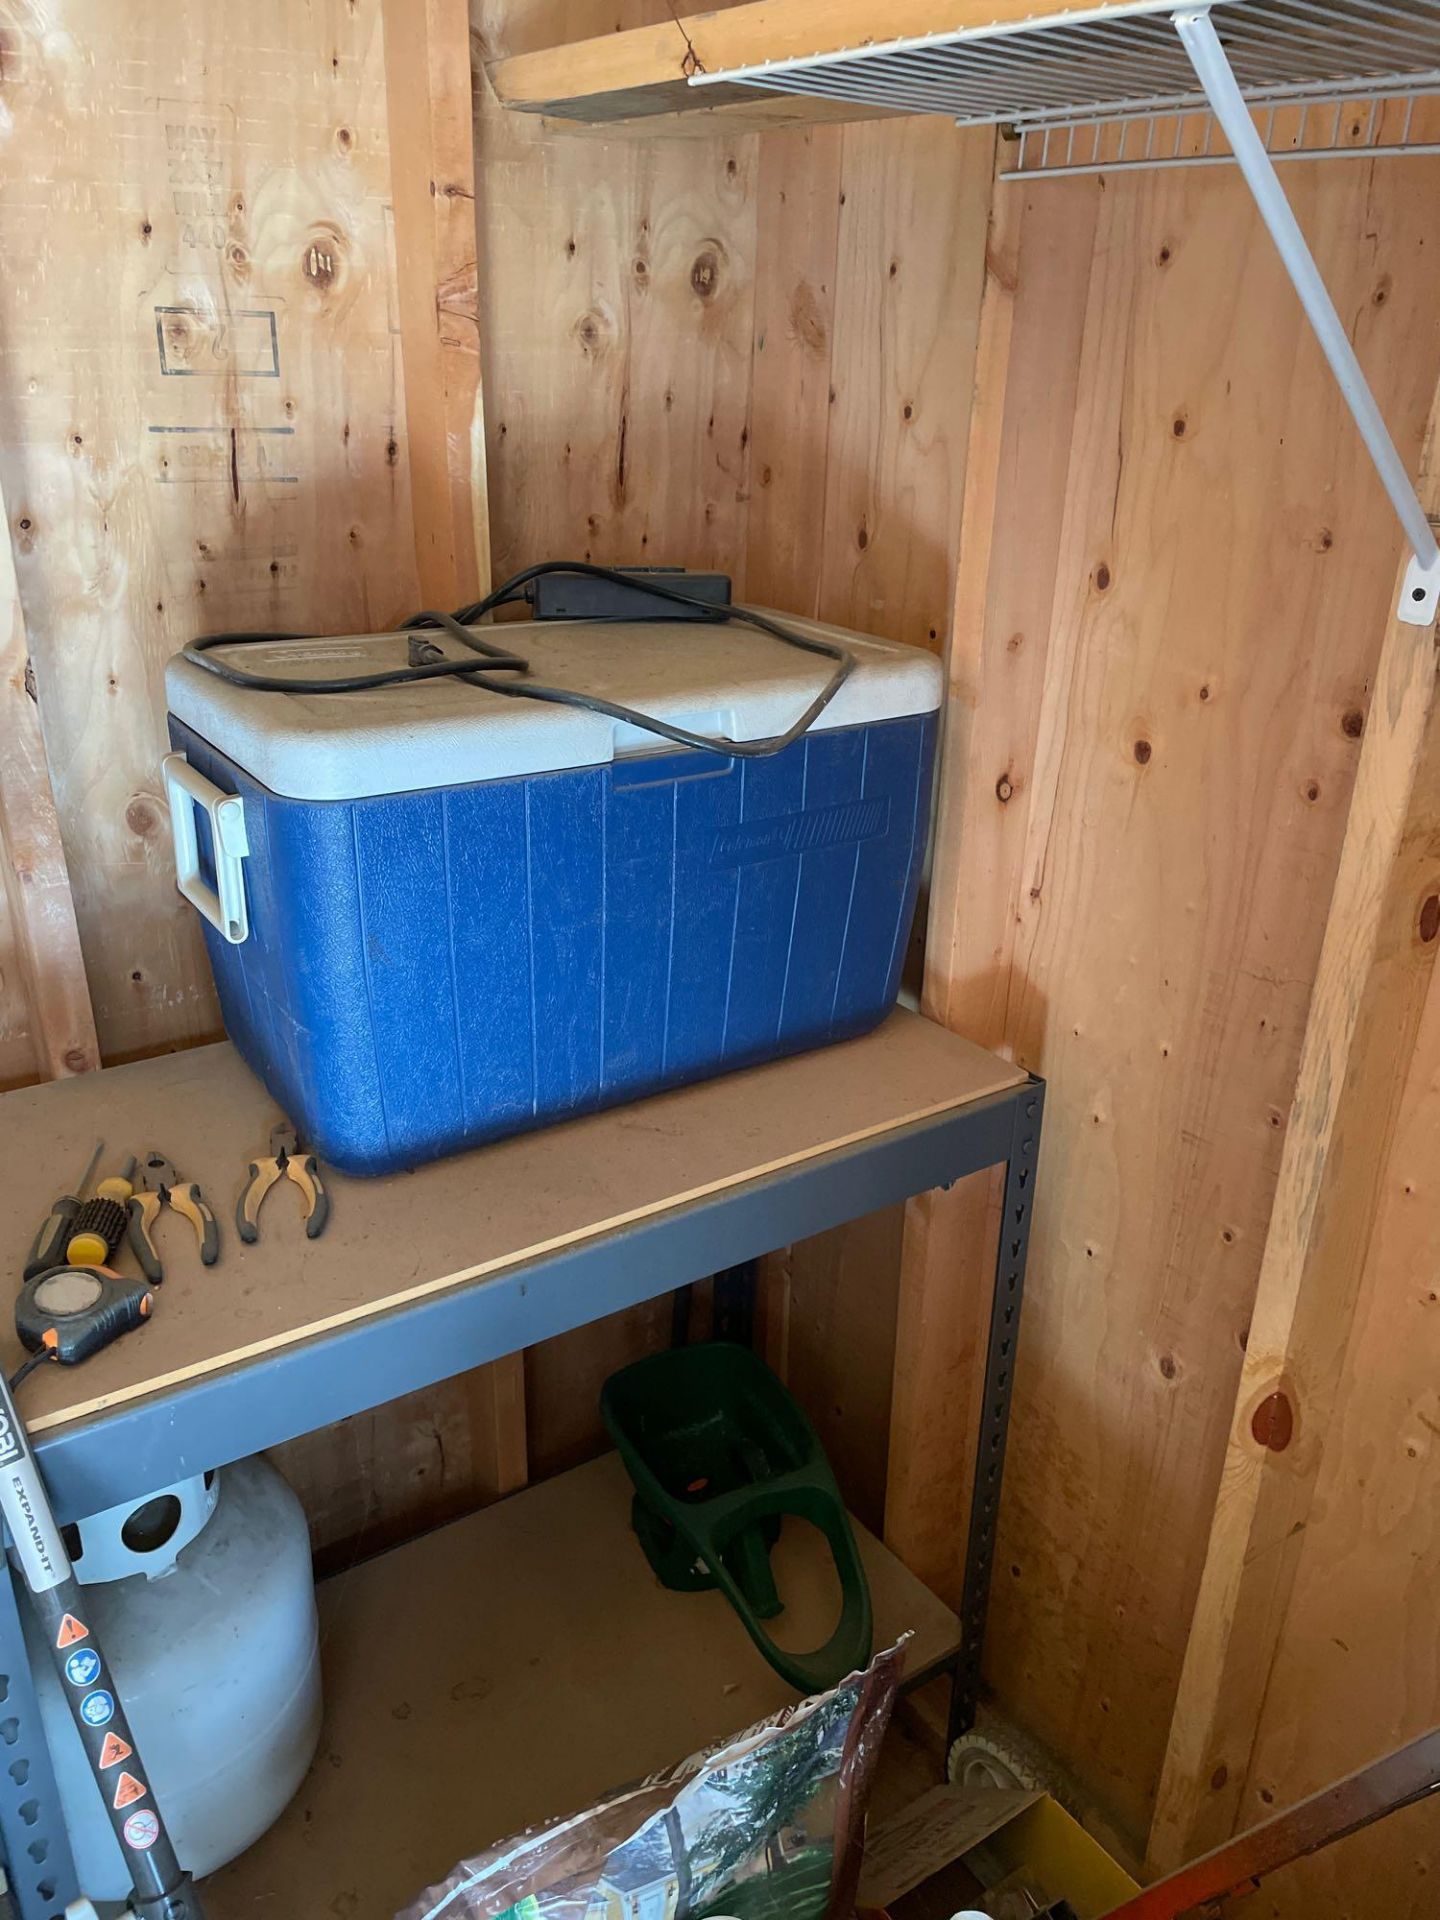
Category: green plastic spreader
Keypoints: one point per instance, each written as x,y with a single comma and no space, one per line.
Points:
719,1453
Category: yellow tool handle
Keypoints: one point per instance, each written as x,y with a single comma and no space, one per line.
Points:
189,1201
306,1175
144,1211
87,1250
262,1176
100,1222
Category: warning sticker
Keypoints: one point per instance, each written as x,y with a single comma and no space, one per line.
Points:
113,1751
127,1791
97,1709
82,1669
71,1630
142,1830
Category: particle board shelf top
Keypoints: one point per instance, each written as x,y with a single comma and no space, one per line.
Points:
395,1241
511,1668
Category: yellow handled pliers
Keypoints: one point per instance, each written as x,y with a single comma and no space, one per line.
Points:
285,1160
159,1186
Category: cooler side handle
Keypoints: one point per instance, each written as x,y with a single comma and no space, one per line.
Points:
185,789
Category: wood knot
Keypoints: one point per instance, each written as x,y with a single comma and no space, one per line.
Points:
1169,1367
1219,1777
76,1060
705,273
1430,917
1102,577
323,261
1004,789
1273,1422
807,320
1143,751
142,816
1352,723
590,330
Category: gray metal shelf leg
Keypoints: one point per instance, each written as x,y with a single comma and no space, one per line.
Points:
995,1406
38,1860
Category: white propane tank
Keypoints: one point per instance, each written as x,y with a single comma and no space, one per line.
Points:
204,1601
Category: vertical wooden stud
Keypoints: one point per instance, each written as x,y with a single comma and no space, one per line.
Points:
1375,966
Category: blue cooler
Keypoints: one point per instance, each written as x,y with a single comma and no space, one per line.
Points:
436,915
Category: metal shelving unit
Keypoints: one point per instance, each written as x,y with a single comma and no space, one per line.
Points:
140,1433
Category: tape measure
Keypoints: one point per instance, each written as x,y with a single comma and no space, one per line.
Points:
69,1313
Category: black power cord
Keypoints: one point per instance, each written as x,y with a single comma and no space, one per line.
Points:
497,661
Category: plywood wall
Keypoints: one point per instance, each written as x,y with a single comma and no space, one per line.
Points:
1162,710
749,353
200,407
207,371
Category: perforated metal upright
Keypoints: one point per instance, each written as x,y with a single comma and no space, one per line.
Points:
38,1860
1011,1252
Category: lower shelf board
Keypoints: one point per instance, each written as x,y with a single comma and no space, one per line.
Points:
515,1666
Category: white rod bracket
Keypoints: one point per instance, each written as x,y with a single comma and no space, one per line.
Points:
1420,595
1207,56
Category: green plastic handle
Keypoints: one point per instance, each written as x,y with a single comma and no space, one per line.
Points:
850,1645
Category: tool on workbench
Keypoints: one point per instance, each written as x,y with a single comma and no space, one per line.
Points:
161,1889
161,1186
70,1312
47,1249
99,1227
286,1159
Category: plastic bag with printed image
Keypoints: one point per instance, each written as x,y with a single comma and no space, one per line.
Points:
766,1826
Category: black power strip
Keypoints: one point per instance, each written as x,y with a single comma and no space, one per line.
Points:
580,596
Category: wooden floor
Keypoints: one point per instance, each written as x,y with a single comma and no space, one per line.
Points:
513,1667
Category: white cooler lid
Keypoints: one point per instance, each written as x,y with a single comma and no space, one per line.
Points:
728,680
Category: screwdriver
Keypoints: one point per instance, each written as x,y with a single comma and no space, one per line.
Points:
48,1247
99,1226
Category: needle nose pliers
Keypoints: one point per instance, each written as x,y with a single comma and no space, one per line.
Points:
159,1186
286,1160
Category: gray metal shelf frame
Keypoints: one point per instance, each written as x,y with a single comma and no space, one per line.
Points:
130,1450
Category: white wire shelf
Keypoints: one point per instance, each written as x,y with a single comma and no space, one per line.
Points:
1066,63
1349,126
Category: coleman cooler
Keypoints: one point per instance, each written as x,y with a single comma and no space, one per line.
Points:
437,916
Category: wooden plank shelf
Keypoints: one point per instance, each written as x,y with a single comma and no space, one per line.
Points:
512,1667
645,71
